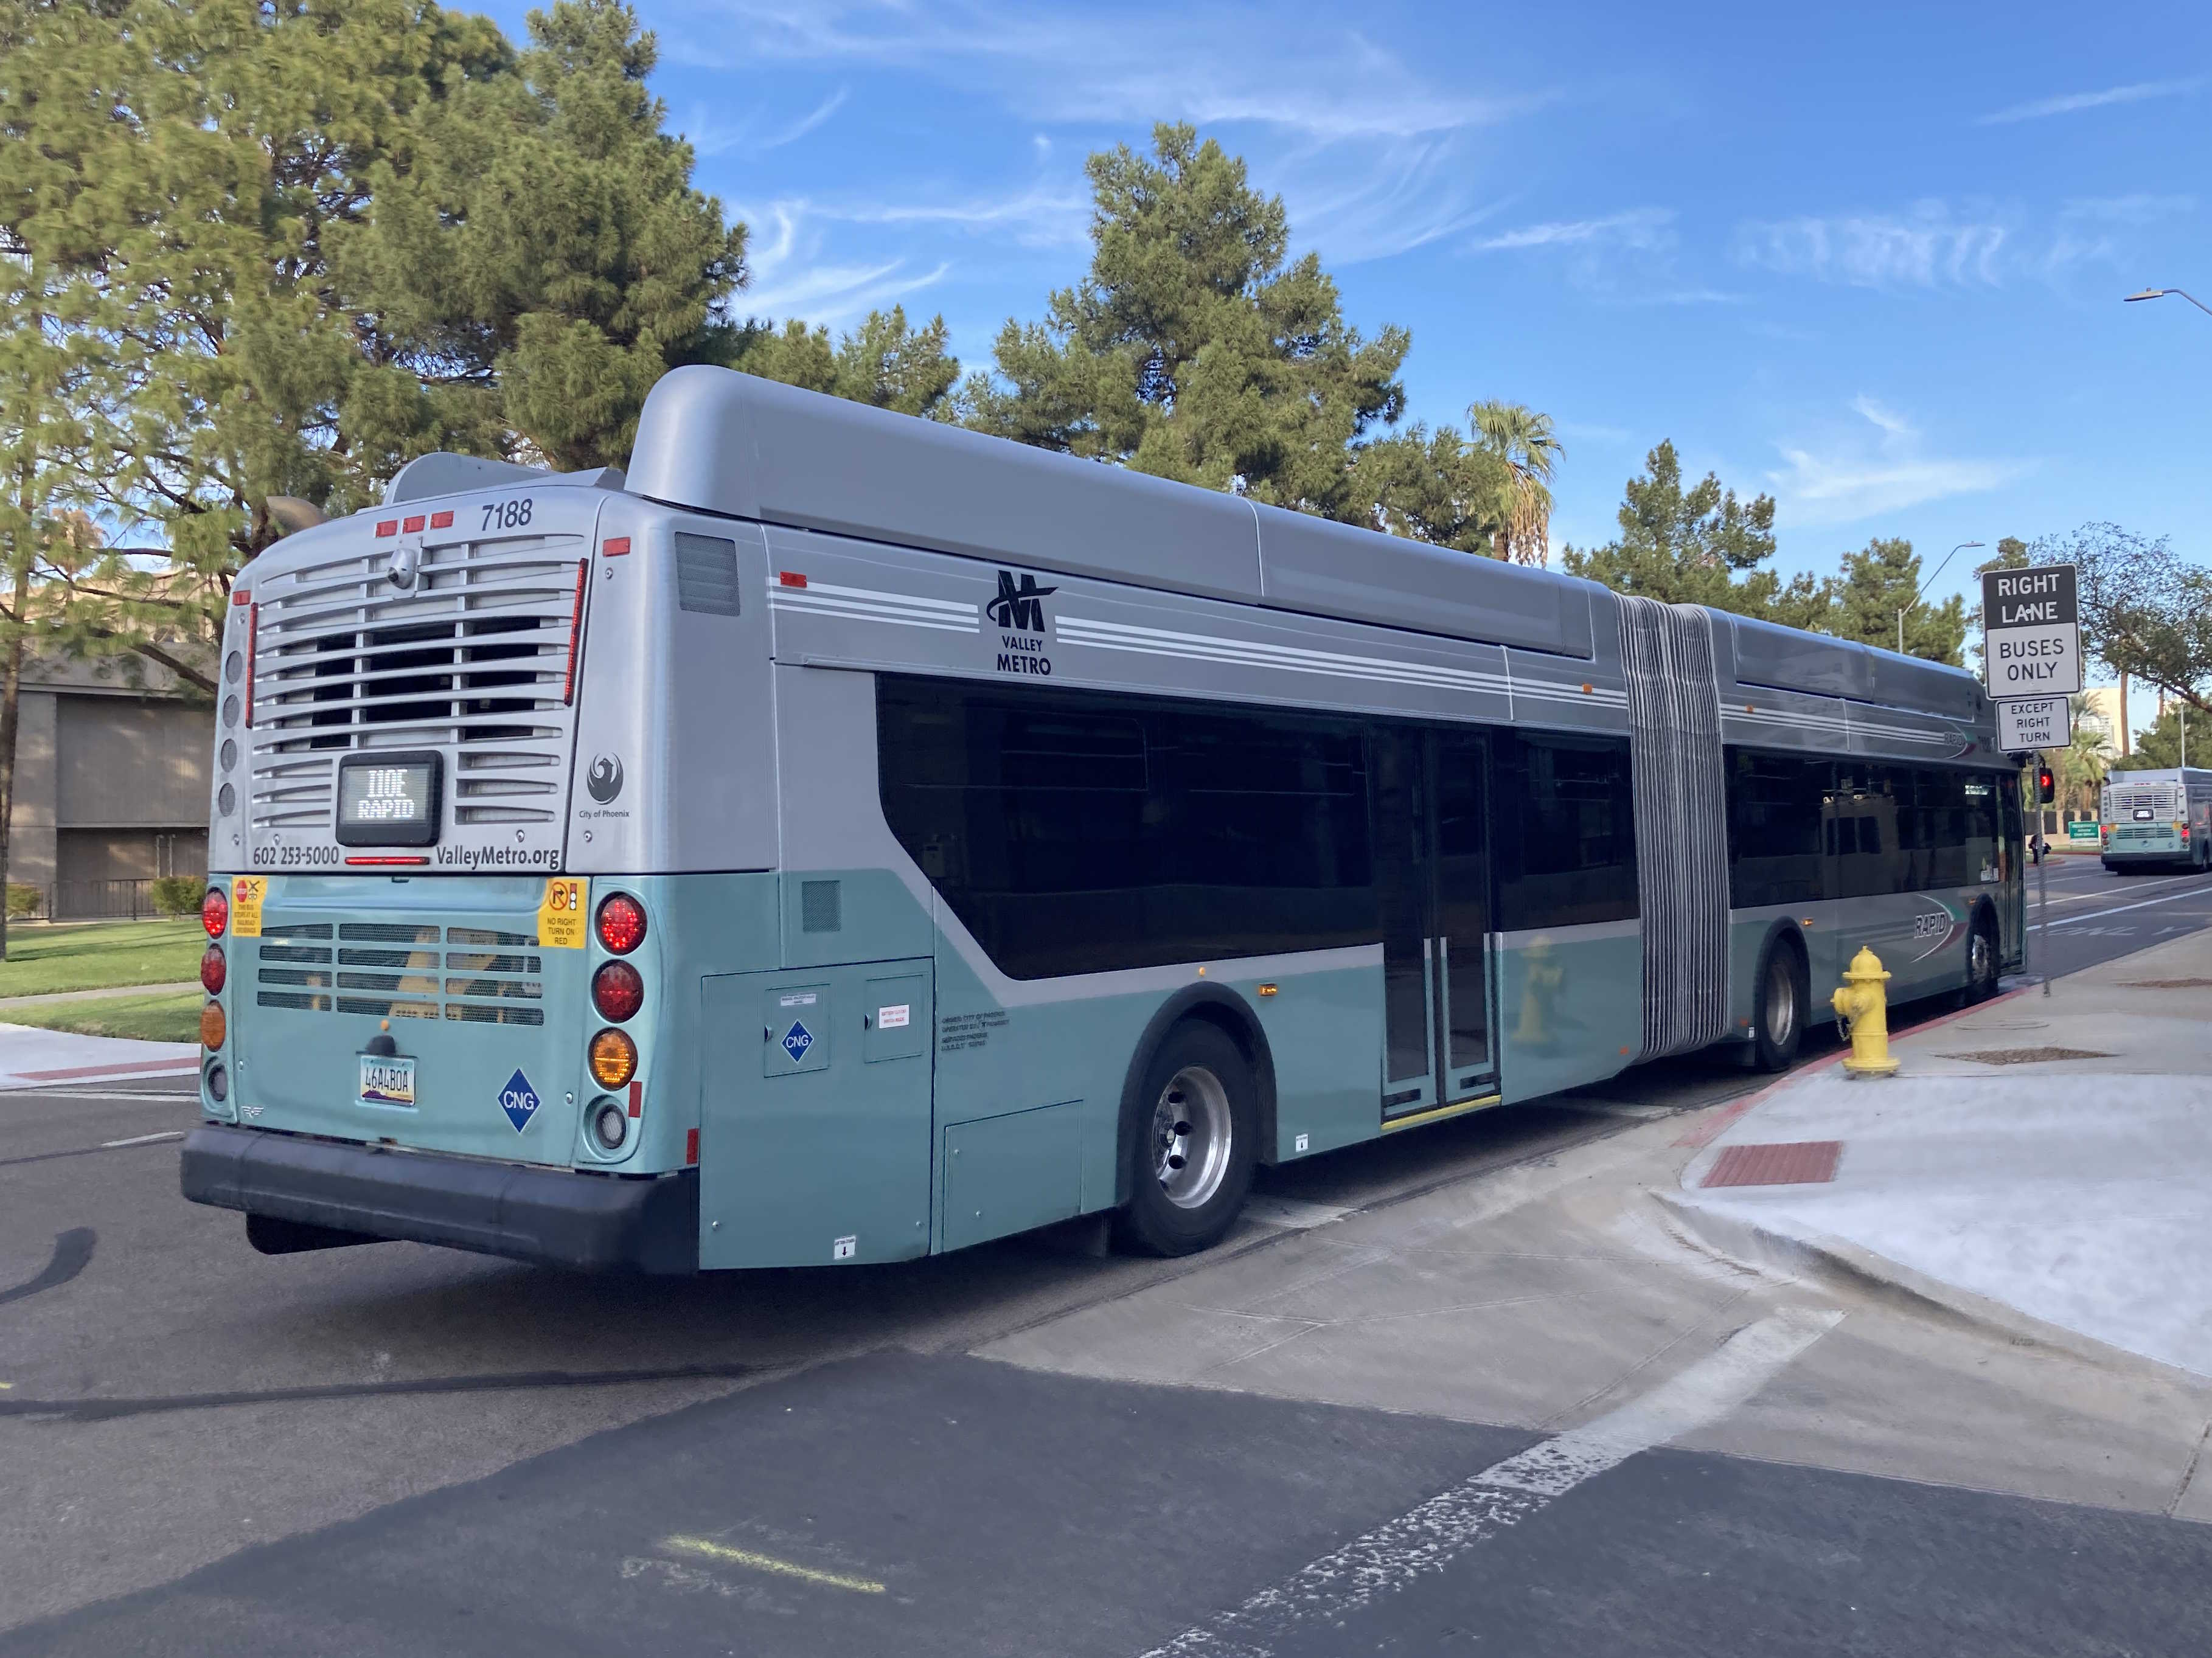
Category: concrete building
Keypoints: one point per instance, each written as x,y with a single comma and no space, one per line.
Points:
111,779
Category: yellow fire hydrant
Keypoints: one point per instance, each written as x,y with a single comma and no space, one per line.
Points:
1863,1005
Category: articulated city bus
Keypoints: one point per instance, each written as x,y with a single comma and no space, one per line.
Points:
2156,819
847,838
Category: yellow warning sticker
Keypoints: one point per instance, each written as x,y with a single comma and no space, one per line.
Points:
561,915
246,892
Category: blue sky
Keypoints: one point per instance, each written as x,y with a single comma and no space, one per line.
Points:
1869,259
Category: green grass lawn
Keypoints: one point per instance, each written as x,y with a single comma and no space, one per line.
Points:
169,1017
91,955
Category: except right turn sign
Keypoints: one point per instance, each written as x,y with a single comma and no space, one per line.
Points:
2031,633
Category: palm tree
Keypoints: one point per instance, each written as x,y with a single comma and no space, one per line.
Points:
2084,762
1530,448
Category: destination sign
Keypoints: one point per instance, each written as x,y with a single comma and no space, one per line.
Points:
2031,633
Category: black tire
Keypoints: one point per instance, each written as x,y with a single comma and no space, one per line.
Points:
1984,961
1780,997
1185,1187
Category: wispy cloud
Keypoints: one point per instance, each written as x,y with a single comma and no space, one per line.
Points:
2138,208
709,136
1040,216
828,107
1641,227
1854,475
2072,102
1205,63
789,277
1928,246
1628,257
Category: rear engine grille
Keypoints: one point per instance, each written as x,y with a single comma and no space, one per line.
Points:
401,970
473,661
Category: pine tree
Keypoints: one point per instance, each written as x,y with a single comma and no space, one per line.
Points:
538,242
1192,349
1695,546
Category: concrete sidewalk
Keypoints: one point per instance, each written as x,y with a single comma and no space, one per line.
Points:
31,1058
2041,1164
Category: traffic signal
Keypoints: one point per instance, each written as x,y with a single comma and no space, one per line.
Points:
2046,785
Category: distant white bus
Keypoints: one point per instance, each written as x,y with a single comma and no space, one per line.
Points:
2157,819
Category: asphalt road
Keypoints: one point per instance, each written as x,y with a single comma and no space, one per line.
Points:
403,1450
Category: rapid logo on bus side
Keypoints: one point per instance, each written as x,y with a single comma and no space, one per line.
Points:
1019,613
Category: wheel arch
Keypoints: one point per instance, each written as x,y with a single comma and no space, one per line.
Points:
1216,1005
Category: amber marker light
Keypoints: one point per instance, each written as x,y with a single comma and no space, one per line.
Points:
614,1058
212,1029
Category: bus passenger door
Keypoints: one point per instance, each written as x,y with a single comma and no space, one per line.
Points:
1432,872
814,1115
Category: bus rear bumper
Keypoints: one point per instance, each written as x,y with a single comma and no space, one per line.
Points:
298,1193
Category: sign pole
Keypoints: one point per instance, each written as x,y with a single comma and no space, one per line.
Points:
2042,896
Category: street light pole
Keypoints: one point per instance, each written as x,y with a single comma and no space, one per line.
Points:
1924,586
2161,292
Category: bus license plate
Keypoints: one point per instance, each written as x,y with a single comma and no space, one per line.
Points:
385,1080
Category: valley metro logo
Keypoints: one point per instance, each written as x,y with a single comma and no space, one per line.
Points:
1021,609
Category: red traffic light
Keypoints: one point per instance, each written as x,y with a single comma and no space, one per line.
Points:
2046,785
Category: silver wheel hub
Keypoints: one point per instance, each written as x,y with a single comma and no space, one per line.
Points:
1191,1135
1781,1001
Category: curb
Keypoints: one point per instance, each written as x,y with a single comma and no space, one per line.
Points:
1745,1244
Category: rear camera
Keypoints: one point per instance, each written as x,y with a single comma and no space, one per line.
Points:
610,1126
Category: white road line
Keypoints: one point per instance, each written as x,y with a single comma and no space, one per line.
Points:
2118,909
142,1139
2105,890
170,1097
1428,1537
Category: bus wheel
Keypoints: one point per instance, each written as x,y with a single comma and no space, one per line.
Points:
1778,1012
1190,1147
1982,968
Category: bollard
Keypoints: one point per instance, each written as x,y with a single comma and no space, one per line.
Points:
1862,1007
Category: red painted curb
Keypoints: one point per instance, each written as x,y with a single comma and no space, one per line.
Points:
136,1068
1704,1134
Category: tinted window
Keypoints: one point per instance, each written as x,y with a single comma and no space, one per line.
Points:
1859,826
1566,831
1080,832
1774,806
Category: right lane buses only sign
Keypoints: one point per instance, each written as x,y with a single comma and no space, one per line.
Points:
2031,633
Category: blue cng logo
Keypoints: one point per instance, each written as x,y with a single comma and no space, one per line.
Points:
797,1041
520,1101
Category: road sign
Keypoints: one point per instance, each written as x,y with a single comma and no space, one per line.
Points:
2035,722
2031,631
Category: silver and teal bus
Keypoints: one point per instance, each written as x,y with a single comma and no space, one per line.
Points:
846,838
2156,819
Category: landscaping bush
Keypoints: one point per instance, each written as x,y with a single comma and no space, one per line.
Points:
24,899
176,895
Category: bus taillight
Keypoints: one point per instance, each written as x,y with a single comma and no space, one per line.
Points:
214,912
213,971
621,923
617,990
614,1058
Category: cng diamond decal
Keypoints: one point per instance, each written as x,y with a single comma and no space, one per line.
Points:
797,1041
520,1101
